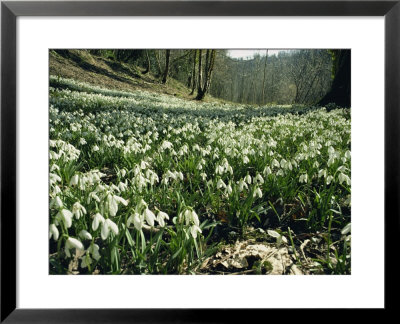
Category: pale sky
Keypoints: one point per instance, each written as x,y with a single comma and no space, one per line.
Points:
249,53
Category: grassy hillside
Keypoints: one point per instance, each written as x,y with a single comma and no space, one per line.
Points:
82,66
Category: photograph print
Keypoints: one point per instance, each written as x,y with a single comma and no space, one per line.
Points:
200,161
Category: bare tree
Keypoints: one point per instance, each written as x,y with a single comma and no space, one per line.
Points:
167,54
203,86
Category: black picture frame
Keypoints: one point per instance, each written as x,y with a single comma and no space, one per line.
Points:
10,10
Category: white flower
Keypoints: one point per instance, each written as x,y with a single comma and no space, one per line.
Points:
329,178
303,178
94,251
245,159
78,210
66,216
72,243
322,173
54,232
194,229
267,171
112,205
56,202
228,189
95,148
160,218
248,178
149,216
194,218
85,235
344,178
74,180
257,193
138,221
107,226
242,185
259,179
221,184
97,220
275,163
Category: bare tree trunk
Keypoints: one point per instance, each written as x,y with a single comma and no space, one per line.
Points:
200,78
340,92
263,86
158,62
210,59
194,72
167,54
148,62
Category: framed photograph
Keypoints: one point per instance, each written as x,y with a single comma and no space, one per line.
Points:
163,158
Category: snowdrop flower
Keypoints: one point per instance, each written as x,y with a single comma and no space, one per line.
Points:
322,173
259,179
97,220
54,167
72,243
107,226
245,159
248,178
180,175
331,160
112,205
275,163
149,216
74,180
54,232
85,235
95,148
329,179
137,220
344,178
82,141
122,186
56,190
303,178
161,216
65,216
93,251
257,193
228,189
93,196
219,169
267,171
203,176
56,202
242,185
122,172
194,229
221,184
78,210
54,178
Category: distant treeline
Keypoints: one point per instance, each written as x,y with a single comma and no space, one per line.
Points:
291,77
